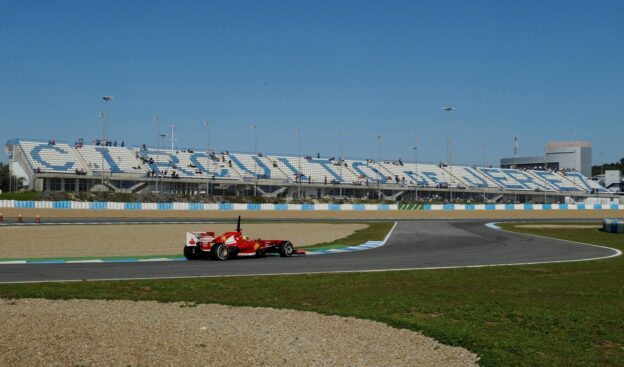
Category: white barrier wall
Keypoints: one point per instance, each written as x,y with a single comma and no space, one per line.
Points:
295,207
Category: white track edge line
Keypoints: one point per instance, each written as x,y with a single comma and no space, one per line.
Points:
617,252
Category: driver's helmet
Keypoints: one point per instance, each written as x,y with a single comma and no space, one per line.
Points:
245,238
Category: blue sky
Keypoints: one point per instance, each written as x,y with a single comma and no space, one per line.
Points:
542,70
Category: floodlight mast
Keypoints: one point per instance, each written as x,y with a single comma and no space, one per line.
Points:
173,127
157,122
162,137
340,162
415,147
299,162
106,99
449,142
379,164
102,117
208,159
255,136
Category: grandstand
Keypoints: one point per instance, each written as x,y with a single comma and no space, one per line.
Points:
57,166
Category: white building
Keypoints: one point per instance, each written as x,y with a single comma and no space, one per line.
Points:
558,155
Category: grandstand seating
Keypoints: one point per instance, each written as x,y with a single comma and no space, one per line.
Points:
472,178
583,182
45,157
49,157
187,164
317,170
253,166
111,159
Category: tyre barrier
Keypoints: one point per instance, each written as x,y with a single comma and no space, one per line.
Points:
613,225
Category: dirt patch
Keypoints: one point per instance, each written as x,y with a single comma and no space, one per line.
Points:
147,239
36,332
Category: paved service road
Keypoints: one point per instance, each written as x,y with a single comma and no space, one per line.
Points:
412,245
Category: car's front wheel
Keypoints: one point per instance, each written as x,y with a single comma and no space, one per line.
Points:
286,249
220,251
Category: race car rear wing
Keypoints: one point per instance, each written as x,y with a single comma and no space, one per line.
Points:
196,238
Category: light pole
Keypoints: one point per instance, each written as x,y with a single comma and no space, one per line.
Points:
299,162
340,161
483,152
255,136
209,160
483,146
449,152
173,127
102,117
157,122
415,147
162,137
106,100
10,178
545,169
379,163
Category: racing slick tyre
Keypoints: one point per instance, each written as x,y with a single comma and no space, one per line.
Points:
261,253
190,253
220,251
286,249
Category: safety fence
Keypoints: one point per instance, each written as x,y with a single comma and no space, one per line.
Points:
101,205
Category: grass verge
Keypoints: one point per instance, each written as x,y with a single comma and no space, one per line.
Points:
25,195
567,314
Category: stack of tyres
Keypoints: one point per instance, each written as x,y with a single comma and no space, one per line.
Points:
613,225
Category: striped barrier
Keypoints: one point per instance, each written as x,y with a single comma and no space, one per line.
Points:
101,205
613,225
439,207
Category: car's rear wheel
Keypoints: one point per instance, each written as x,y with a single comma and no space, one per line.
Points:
286,249
220,251
190,253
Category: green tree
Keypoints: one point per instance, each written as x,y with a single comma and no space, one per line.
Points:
596,170
5,179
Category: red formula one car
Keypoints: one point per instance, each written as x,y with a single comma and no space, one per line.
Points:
201,245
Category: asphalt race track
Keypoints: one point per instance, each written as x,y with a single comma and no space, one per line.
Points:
413,245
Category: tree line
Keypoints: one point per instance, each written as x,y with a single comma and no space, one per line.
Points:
596,170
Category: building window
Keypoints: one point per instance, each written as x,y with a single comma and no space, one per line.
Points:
83,185
55,184
70,184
